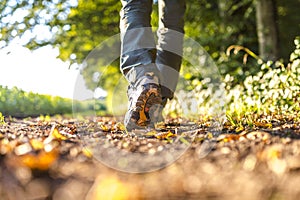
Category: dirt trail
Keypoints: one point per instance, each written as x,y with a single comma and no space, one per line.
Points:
57,160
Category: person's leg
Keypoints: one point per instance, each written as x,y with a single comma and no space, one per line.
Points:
138,53
137,41
170,40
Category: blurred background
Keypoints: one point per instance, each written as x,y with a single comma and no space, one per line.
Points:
43,43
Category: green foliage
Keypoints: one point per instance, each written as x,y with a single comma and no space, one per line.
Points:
219,24
1,119
89,108
17,103
275,88
80,26
23,18
86,26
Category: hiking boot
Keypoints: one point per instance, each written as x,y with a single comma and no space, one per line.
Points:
156,112
144,93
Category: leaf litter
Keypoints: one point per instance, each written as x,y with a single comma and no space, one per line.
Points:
264,158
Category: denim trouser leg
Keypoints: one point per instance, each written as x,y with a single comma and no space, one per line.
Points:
137,40
170,40
138,45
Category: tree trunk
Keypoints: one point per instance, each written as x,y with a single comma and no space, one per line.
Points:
267,29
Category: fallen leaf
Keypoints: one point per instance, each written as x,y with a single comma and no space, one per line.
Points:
228,137
41,161
151,133
165,135
36,144
184,141
120,126
263,125
239,129
160,125
87,152
57,135
104,127
209,135
54,134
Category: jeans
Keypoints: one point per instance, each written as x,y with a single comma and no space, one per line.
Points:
138,46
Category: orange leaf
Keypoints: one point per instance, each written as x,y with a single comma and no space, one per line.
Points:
229,137
42,161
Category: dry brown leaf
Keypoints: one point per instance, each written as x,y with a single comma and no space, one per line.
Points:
263,125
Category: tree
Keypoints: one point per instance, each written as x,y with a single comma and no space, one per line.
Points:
76,28
267,29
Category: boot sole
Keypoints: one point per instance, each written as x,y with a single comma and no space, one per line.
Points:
140,115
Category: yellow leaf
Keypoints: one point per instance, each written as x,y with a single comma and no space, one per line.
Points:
120,126
36,144
165,135
104,127
57,135
209,135
160,125
151,133
87,152
240,128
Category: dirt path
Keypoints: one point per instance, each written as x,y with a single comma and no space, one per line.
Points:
59,160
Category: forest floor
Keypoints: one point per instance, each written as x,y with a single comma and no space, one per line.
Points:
97,159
